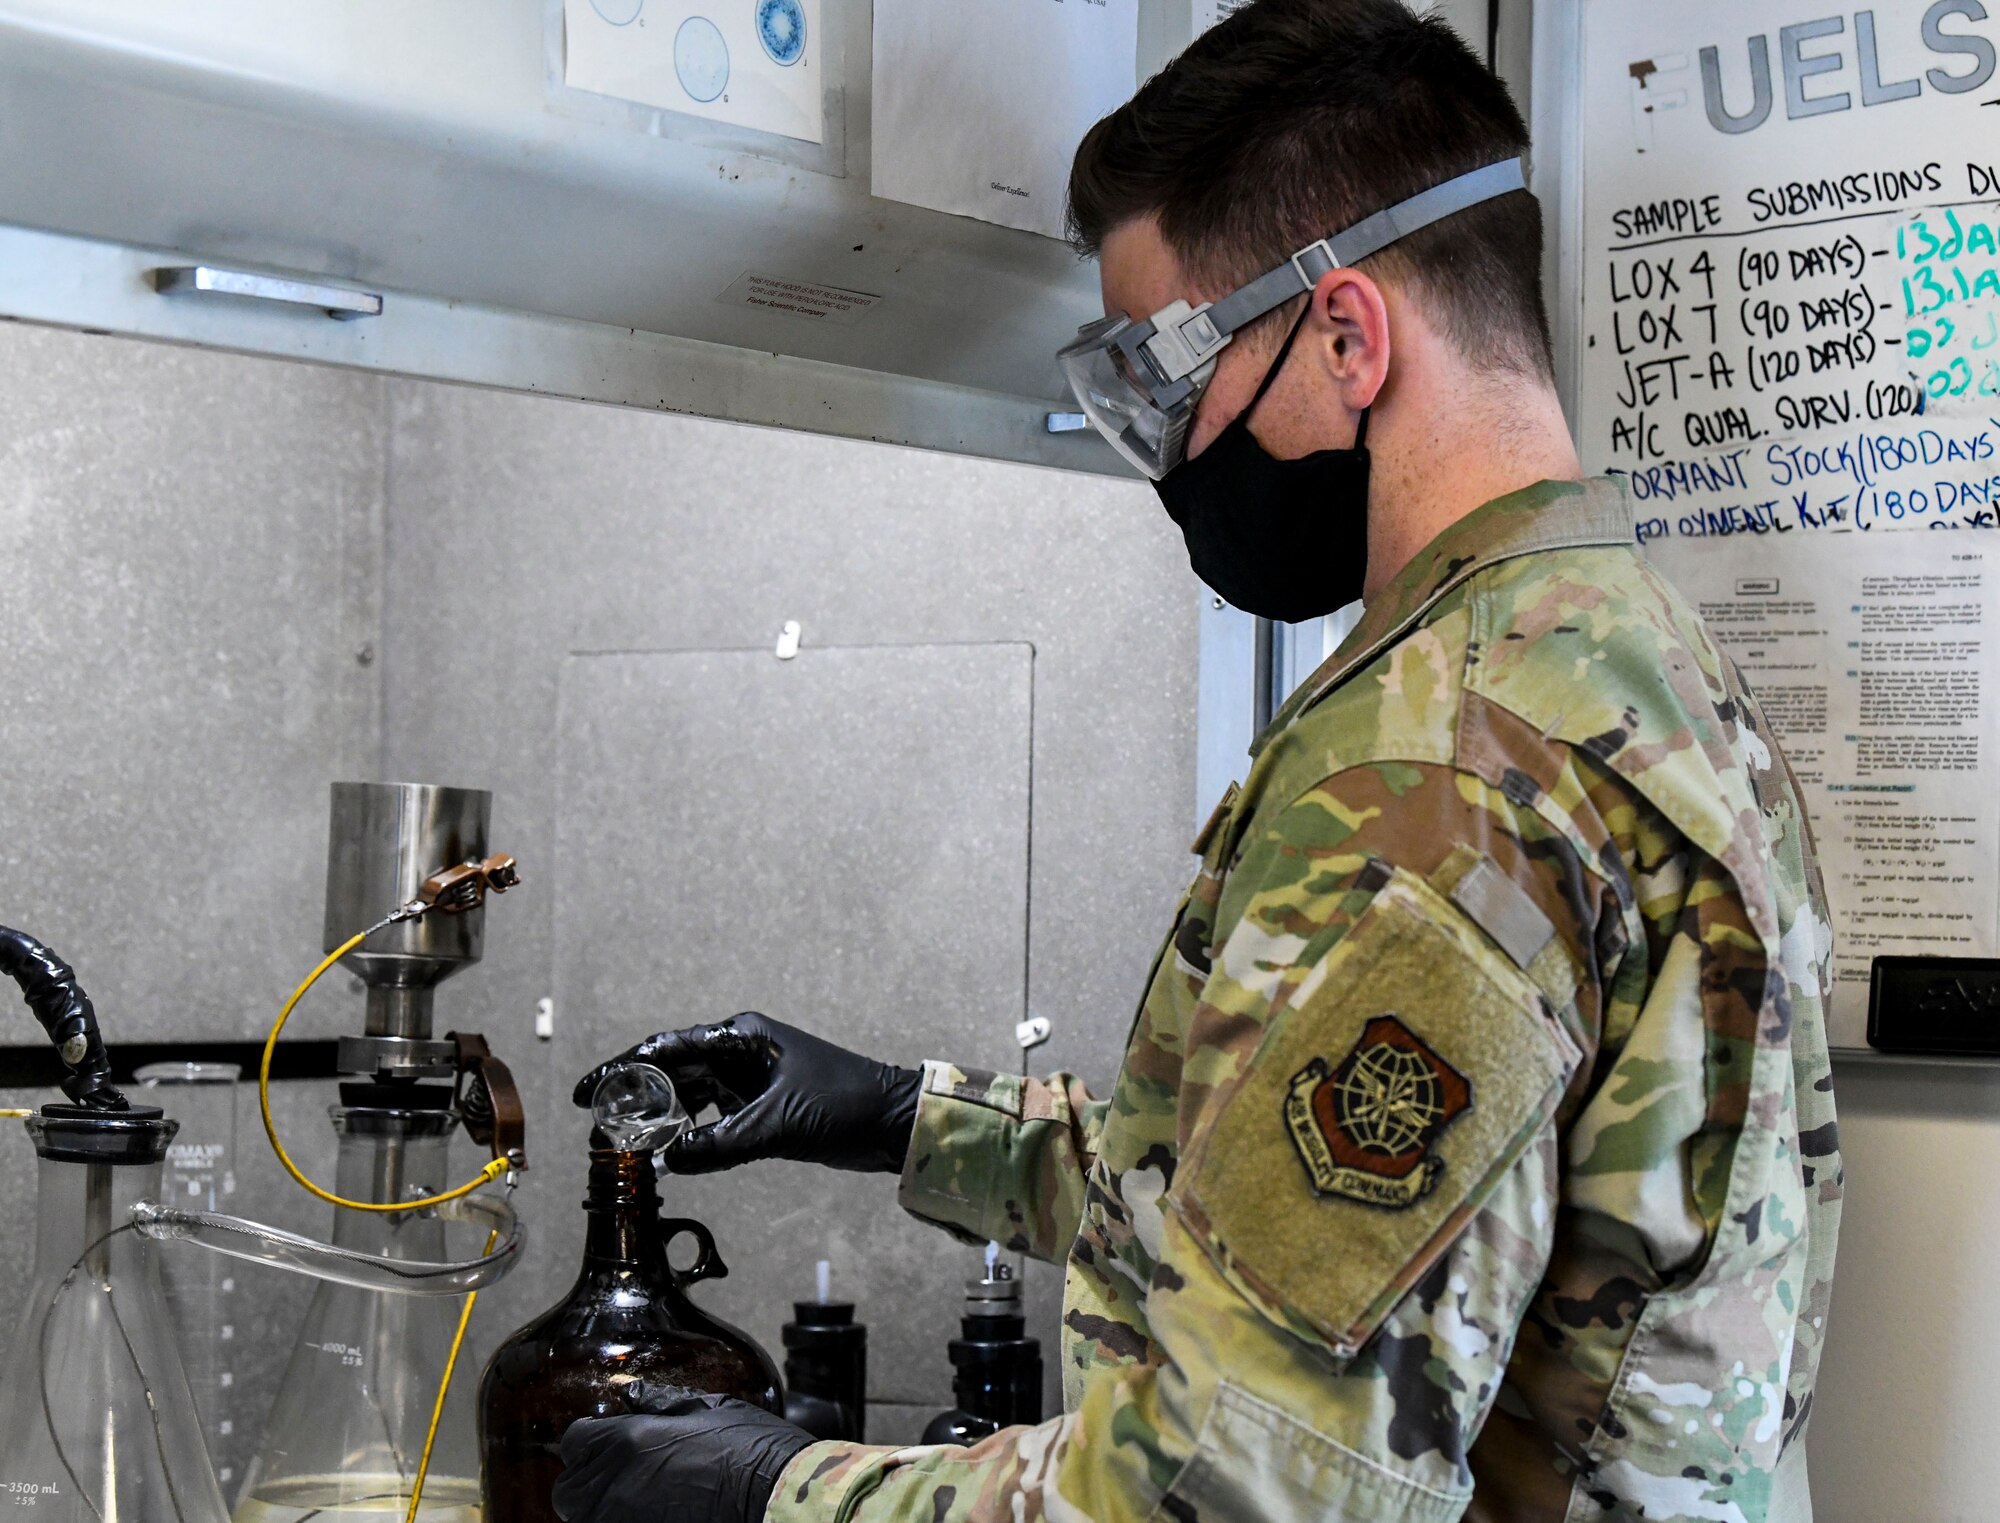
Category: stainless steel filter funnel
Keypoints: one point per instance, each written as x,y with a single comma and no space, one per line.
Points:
385,840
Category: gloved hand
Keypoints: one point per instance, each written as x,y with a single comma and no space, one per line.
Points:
692,1459
782,1094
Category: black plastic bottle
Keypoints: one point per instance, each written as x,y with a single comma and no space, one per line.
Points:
997,1368
826,1367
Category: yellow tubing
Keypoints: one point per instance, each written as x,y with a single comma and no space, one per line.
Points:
437,1411
487,1175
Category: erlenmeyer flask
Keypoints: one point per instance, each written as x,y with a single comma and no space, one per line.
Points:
346,1434
97,1424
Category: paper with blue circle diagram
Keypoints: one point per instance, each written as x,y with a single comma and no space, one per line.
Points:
979,104
748,63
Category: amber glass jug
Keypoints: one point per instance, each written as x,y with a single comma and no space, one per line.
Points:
627,1318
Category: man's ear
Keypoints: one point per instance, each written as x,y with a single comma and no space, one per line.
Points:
1350,322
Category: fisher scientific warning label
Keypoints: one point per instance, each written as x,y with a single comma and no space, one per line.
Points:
798,298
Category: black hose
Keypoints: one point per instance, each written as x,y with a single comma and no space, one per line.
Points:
66,1014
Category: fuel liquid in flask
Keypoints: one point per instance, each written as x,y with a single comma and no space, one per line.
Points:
96,1419
200,1175
346,1435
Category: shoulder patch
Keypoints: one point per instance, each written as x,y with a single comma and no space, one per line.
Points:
1377,1116
1366,1129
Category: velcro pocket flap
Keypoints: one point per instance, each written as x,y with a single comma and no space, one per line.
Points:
1377,1116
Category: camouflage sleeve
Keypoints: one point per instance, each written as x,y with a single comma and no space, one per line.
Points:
1239,1421
1365,1198
1000,1158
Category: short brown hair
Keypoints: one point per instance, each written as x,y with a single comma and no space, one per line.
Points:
1291,121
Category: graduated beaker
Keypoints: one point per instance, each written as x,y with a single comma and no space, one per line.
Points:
200,1175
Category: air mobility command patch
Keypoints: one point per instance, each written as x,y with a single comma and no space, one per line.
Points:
1369,1081
1365,1130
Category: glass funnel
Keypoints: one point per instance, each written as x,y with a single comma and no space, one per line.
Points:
97,1424
346,1434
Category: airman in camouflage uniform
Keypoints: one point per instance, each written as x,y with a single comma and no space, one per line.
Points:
1473,1153
1474,1149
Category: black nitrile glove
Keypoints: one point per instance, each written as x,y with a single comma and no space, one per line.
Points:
694,1458
782,1094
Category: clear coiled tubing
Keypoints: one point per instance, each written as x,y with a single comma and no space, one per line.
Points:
240,1238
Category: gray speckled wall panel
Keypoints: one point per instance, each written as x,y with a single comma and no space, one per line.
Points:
842,837
192,553
532,528
192,545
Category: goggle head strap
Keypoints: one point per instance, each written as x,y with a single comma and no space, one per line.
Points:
1370,235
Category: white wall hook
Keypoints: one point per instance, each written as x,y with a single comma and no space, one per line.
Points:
1032,1032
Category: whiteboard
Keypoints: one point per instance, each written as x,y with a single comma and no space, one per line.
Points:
1791,262
1778,307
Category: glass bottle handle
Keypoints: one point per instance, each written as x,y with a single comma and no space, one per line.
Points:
708,1263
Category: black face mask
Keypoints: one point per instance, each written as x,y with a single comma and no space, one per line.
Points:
1282,539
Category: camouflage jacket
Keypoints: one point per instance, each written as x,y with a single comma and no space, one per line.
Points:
1474,1150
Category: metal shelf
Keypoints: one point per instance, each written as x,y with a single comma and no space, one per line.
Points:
522,234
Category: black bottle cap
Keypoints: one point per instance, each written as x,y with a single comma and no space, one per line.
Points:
823,1313
826,1326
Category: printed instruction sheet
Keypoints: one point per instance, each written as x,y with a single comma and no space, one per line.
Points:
979,107
750,63
1869,653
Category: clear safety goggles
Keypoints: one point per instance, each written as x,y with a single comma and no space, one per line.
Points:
1139,382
